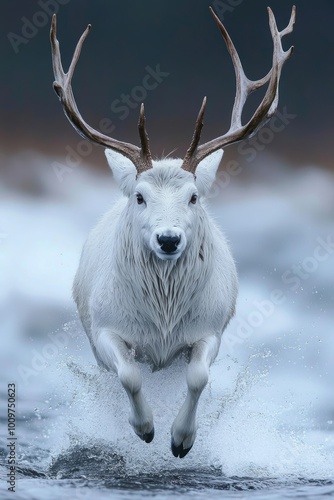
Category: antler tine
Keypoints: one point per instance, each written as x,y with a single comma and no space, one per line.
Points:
242,82
56,60
141,157
145,143
244,87
289,28
195,139
280,56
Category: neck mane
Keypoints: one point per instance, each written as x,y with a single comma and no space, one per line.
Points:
165,292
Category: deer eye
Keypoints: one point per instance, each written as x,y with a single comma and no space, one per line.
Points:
193,199
140,198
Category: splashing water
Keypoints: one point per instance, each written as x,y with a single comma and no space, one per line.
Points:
243,428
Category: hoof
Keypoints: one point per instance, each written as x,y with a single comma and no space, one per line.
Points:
179,451
147,437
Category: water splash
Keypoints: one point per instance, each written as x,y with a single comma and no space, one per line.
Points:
242,426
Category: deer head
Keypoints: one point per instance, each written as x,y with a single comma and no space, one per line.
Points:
185,181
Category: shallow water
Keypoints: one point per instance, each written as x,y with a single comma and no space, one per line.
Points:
266,418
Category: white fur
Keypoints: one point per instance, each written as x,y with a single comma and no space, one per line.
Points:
136,303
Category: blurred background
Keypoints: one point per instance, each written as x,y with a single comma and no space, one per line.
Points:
183,39
274,194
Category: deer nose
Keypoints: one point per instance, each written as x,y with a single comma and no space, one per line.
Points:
168,244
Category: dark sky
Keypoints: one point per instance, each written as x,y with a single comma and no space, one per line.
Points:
183,39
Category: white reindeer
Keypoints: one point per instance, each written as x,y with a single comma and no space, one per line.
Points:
156,277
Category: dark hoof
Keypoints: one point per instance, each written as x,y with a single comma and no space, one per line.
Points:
179,451
147,437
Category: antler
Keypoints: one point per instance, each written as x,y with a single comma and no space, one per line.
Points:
244,87
141,157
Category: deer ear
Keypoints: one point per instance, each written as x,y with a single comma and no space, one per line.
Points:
206,172
124,171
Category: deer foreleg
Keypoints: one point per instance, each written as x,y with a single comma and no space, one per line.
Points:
184,428
115,355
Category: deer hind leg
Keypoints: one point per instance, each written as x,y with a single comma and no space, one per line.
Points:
184,428
115,355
